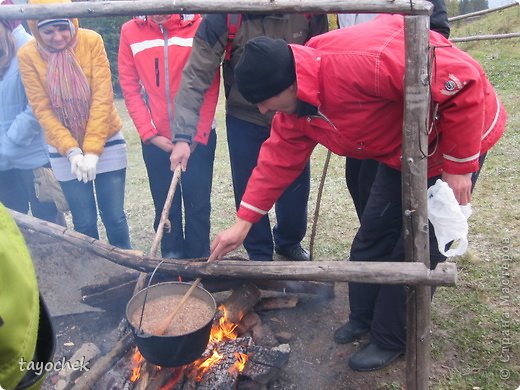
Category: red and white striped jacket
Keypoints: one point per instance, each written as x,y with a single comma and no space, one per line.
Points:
151,59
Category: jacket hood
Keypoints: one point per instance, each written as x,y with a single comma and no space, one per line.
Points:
307,63
33,24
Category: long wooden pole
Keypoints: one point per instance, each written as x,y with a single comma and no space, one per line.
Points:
324,271
485,37
483,12
122,8
415,213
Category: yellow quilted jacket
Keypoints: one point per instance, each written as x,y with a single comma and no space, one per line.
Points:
90,52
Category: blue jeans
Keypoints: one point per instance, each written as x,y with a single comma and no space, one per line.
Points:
17,193
110,196
193,192
244,142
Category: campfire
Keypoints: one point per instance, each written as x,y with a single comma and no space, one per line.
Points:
235,357
224,353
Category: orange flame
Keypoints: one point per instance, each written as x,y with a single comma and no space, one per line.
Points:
240,364
174,379
225,330
137,361
221,331
208,363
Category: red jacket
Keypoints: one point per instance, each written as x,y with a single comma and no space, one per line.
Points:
353,80
144,71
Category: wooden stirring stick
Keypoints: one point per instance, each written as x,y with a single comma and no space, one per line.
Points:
163,326
164,221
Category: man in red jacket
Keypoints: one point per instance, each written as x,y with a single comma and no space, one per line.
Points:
344,90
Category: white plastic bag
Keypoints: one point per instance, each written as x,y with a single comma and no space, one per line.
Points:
449,219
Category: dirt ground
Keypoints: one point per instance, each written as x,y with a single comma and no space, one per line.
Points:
315,362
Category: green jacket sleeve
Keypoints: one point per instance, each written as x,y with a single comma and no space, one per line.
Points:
19,303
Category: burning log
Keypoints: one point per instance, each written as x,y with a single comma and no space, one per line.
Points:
241,301
248,322
264,365
220,365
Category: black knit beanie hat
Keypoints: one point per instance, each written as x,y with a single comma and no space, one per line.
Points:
265,69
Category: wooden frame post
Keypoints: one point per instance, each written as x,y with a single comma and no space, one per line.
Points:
415,212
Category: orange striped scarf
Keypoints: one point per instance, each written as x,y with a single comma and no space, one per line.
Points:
68,89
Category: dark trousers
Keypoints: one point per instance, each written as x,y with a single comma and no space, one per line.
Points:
380,238
360,175
244,142
193,192
17,193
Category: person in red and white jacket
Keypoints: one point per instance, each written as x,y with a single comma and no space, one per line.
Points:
152,53
345,90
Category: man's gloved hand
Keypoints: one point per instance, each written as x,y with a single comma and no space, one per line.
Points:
89,167
76,159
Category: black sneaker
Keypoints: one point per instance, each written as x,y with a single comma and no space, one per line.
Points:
293,253
349,332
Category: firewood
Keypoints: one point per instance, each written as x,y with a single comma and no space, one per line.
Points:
323,289
104,295
248,322
264,364
263,335
287,302
241,301
222,375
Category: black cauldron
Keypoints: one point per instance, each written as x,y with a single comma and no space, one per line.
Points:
170,351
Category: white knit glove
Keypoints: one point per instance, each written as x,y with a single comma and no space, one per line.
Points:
76,159
89,167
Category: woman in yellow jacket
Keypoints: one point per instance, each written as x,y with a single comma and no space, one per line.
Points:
66,75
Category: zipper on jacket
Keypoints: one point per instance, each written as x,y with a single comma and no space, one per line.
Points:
320,115
167,78
157,74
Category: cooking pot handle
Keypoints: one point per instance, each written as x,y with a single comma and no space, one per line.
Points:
139,330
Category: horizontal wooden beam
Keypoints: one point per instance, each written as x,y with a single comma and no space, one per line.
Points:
483,12
130,8
412,273
485,37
